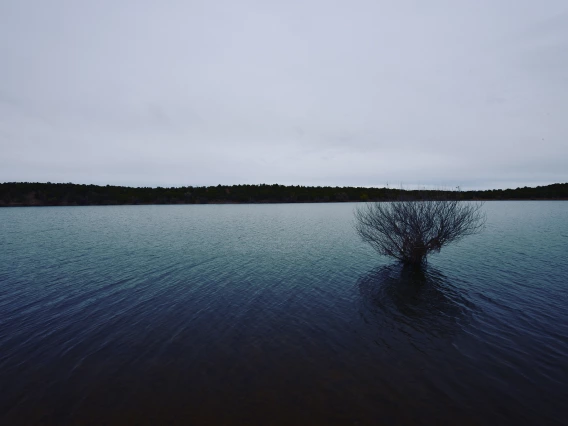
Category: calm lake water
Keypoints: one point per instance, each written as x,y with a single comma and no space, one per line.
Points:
278,314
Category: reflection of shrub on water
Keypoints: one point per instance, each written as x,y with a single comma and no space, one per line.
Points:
409,300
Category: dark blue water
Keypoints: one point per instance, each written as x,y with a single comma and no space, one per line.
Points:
278,314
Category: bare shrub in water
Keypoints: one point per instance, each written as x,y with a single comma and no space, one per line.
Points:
409,230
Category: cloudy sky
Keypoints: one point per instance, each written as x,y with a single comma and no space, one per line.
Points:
312,92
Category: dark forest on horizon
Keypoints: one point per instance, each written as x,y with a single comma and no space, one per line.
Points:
69,194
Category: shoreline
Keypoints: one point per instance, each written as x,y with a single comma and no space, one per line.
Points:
49,194
257,202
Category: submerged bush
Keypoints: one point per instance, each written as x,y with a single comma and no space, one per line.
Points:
408,230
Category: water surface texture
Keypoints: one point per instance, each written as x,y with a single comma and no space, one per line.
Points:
278,314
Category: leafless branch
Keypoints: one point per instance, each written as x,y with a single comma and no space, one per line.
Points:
409,230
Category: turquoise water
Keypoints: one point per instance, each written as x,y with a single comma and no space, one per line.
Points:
263,314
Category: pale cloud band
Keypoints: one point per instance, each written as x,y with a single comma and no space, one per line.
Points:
315,92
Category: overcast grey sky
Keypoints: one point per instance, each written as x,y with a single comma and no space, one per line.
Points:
312,92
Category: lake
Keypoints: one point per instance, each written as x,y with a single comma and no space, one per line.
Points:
278,314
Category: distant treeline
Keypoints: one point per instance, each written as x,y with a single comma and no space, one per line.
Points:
69,194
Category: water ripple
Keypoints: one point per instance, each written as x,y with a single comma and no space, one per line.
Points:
277,314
